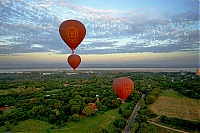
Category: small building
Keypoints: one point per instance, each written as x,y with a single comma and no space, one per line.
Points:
198,71
71,73
33,100
46,73
93,105
65,85
3,108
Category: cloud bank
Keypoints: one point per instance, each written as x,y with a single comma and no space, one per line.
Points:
32,26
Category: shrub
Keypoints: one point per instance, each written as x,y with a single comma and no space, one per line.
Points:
120,123
75,117
88,111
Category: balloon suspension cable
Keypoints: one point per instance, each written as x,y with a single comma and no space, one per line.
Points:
72,51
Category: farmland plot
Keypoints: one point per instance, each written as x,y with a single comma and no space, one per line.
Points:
170,103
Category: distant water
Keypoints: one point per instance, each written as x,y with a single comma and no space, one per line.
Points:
101,69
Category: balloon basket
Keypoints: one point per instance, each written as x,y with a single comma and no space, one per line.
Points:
123,102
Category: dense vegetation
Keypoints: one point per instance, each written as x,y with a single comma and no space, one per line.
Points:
61,97
179,123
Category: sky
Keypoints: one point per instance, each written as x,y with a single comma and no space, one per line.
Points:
127,33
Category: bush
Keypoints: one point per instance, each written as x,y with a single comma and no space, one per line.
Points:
103,130
127,113
52,118
120,123
179,123
120,110
103,108
134,127
88,111
75,117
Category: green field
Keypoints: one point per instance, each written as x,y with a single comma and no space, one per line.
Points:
173,94
88,124
32,126
171,103
4,92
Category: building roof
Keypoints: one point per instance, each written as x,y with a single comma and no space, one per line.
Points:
93,105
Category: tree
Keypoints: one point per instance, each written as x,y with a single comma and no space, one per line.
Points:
120,123
143,89
143,128
74,109
7,123
144,118
103,108
150,99
115,103
38,110
102,130
126,113
134,127
88,111
75,117
142,103
52,118
120,110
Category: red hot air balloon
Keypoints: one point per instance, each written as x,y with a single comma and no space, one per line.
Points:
72,32
123,87
74,61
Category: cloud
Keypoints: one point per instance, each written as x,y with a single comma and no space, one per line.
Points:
37,46
33,27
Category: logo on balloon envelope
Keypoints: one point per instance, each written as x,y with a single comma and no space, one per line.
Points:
72,33
127,90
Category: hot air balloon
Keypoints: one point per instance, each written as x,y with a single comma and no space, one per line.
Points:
72,32
74,60
123,86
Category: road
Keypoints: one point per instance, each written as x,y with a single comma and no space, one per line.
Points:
133,116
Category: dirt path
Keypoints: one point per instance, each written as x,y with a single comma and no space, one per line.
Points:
167,127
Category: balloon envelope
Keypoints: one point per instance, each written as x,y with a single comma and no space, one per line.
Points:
123,86
72,32
74,61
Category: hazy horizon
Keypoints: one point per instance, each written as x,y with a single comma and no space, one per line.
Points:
92,65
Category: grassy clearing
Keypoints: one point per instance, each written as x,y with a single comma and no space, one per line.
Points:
4,92
86,125
90,124
53,91
31,126
173,94
170,103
